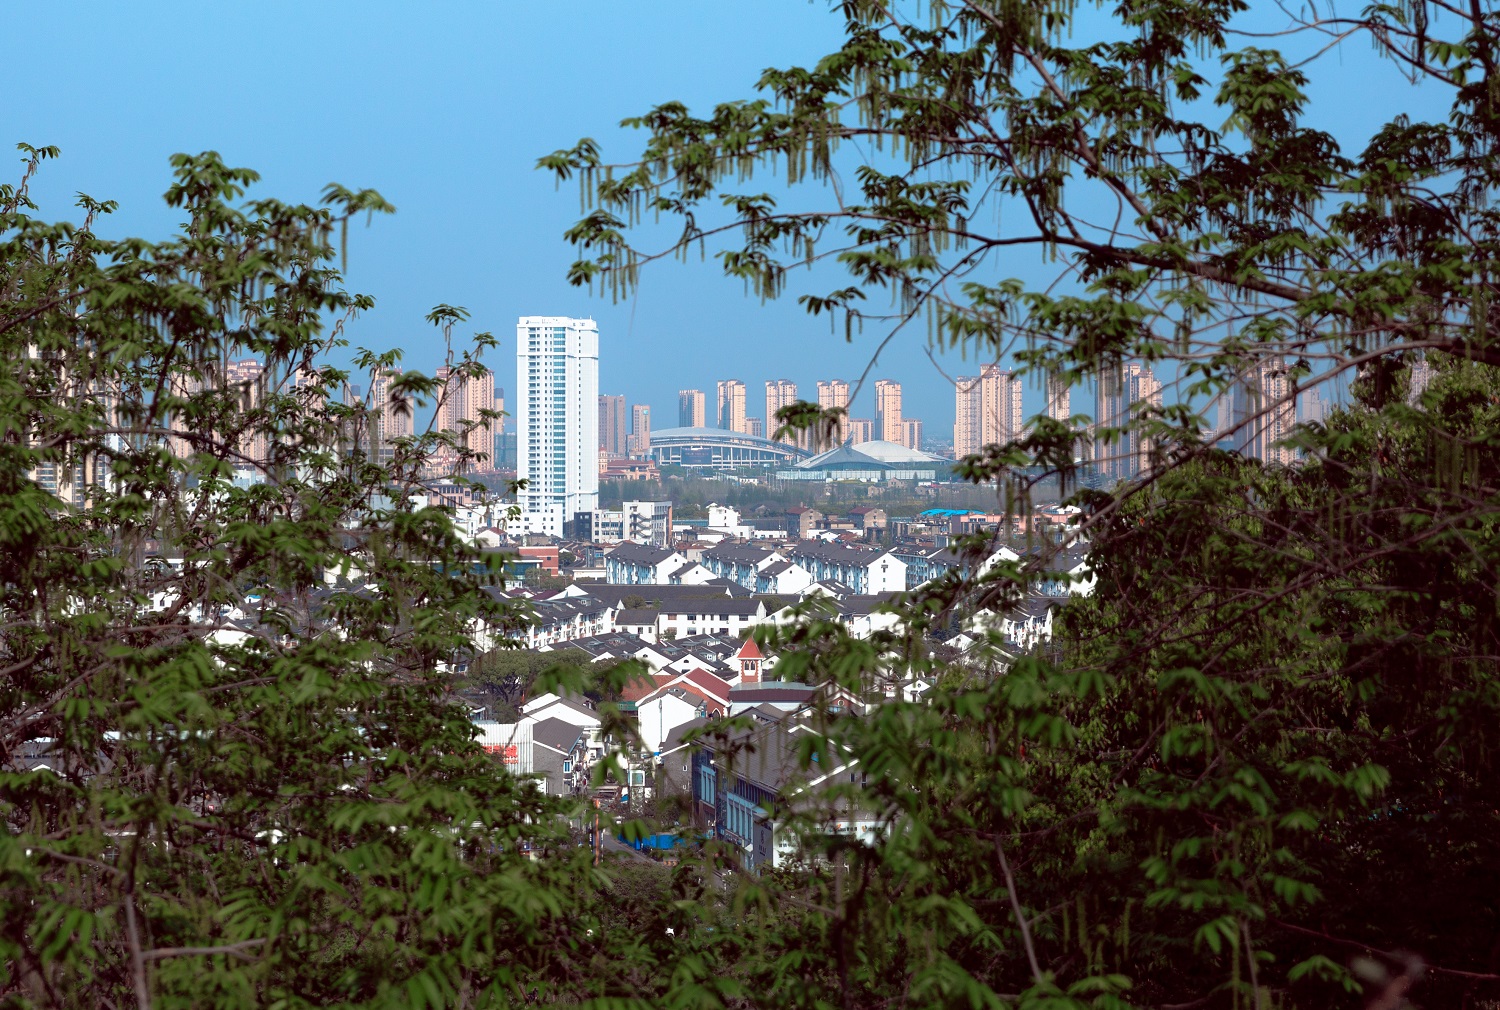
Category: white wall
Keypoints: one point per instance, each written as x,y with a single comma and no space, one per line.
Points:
659,716
557,354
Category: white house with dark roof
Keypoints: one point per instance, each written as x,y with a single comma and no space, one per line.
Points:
573,711
641,565
690,574
783,578
865,570
924,564
555,621
640,622
742,563
1024,626
632,564
864,615
722,615
1069,573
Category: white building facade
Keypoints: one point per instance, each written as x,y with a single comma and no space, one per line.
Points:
557,419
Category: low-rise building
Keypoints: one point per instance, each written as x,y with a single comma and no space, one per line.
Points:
864,615
692,573
868,519
721,616
647,522
864,570
741,563
553,622
801,521
924,564
736,785
697,694
632,564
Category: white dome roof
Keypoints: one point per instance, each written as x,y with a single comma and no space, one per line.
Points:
890,452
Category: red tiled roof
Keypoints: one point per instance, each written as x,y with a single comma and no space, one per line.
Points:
749,650
714,706
707,683
644,685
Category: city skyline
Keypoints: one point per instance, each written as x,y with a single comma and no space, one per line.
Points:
987,410
120,151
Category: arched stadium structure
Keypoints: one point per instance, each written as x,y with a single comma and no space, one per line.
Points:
718,449
872,462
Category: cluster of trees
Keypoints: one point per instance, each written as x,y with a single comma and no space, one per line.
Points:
1255,767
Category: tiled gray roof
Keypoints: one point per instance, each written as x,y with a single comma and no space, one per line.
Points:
554,733
639,554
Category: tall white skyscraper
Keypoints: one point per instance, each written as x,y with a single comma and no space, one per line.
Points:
557,419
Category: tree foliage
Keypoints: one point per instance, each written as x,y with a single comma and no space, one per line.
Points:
1254,769
229,772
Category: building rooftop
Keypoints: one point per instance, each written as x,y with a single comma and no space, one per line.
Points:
838,553
641,554
556,734
747,553
876,455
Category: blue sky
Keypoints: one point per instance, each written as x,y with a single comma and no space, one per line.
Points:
444,107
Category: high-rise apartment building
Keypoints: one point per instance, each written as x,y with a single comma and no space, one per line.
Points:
1121,397
755,426
497,461
464,400
77,476
1263,412
987,410
248,377
640,431
732,406
968,416
389,419
1311,407
1059,398
888,411
557,419
911,432
614,436
861,430
835,393
1419,376
780,393
692,408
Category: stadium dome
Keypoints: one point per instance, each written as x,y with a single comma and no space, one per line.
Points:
718,449
891,452
868,461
